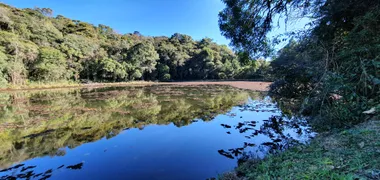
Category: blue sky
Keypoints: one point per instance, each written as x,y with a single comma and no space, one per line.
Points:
197,18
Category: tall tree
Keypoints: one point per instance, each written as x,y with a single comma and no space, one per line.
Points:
338,55
143,58
51,66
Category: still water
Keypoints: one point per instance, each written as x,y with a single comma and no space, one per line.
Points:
151,132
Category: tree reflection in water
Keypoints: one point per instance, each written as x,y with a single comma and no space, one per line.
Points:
40,123
279,131
52,123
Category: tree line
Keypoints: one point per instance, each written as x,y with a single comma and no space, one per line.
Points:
35,46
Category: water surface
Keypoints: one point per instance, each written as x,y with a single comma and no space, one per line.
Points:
151,132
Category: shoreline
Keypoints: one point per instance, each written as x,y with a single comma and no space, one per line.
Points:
249,85
71,85
344,154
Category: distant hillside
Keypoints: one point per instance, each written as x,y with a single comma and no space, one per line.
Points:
36,46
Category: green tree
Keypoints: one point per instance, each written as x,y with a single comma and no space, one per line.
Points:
112,70
98,53
163,72
51,66
143,58
3,68
337,57
247,22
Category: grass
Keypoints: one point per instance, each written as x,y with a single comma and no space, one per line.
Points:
65,84
346,154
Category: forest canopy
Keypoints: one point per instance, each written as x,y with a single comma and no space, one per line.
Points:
37,46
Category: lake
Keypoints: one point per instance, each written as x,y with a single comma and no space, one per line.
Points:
139,132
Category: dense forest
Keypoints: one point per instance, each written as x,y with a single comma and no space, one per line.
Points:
332,66
35,46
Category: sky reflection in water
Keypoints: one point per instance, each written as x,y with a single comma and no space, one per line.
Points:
153,132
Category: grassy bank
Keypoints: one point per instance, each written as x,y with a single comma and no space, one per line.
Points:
345,154
250,85
66,84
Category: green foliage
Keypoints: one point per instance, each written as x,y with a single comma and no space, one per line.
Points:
136,74
348,154
5,22
112,70
50,66
247,22
332,70
40,47
166,77
143,57
3,66
163,72
258,69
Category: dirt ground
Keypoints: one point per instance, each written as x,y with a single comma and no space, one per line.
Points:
256,86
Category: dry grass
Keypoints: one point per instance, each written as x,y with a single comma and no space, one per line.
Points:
255,86
250,85
59,85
